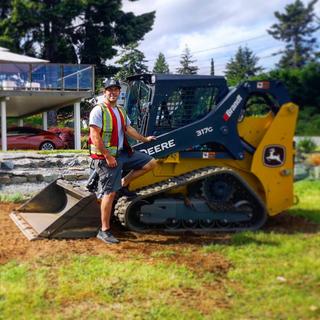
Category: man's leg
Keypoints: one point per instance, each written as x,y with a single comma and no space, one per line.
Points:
110,179
133,174
106,208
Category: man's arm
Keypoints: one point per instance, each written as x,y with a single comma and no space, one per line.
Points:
132,132
97,141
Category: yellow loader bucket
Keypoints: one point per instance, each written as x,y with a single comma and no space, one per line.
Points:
61,210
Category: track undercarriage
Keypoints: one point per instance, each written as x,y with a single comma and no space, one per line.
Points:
218,199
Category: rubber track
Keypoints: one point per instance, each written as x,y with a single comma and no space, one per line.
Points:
123,204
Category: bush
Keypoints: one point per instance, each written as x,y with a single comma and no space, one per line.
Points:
305,127
306,145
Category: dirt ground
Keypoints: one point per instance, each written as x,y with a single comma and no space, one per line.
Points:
14,245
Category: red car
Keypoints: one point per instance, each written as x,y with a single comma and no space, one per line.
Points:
32,138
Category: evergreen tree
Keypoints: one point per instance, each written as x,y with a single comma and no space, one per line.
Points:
105,26
132,62
242,66
296,28
161,65
303,85
212,67
186,63
70,30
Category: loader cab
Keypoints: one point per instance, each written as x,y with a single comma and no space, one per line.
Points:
159,103
139,97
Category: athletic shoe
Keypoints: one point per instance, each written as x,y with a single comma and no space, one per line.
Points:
107,237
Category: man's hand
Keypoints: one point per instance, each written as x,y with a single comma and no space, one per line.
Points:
132,132
111,161
149,138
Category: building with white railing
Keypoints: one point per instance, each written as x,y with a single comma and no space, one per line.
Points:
30,86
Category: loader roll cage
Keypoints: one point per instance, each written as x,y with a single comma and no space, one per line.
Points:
158,103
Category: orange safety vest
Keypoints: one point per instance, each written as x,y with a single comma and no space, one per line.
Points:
109,132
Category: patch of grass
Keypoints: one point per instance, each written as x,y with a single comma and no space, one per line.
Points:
278,276
308,193
164,253
98,287
15,197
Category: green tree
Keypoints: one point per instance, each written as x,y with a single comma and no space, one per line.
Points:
105,26
5,8
132,62
41,28
161,65
296,27
84,31
186,62
10,33
242,66
303,85
212,67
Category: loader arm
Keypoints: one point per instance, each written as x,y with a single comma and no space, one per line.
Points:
219,125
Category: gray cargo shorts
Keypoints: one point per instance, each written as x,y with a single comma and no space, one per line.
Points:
110,178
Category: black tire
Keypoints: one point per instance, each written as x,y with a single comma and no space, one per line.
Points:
47,145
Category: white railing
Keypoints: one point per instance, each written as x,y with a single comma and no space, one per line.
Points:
46,76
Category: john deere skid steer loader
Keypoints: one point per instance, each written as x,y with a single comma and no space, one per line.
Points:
225,161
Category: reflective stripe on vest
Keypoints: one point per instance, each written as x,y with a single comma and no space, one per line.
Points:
109,132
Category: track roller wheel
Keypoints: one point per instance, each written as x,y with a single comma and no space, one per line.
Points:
206,223
223,223
189,223
173,223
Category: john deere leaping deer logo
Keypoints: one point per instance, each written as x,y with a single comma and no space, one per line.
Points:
274,156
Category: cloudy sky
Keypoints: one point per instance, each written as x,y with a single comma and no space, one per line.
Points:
211,29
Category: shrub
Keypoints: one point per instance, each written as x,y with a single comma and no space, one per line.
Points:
306,145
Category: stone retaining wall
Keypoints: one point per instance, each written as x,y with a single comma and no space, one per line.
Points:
18,168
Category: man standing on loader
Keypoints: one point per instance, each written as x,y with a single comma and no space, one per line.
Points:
111,153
